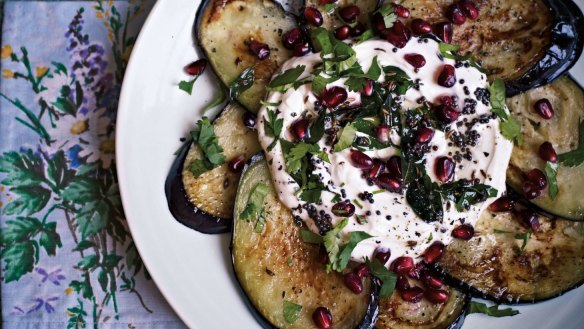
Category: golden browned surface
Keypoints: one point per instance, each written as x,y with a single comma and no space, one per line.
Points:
567,99
331,20
509,36
552,262
394,313
214,191
262,266
224,29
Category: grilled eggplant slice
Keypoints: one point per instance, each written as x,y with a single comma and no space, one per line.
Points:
567,99
331,19
224,27
276,266
205,203
527,43
494,266
394,313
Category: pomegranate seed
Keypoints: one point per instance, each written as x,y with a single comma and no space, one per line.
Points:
389,183
349,13
412,294
547,152
261,50
342,32
197,67
368,91
401,11
436,296
443,31
469,9
415,60
544,108
447,77
299,129
394,167
463,232
415,272
530,219
301,49
444,169
383,133
334,96
322,318
378,24
538,177
431,281
445,113
343,209
323,257
353,282
362,270
358,29
420,26
236,164
402,283
447,100
531,190
312,16
434,252
249,120
503,203
382,255
378,168
361,160
402,265
398,35
425,135
455,14
292,38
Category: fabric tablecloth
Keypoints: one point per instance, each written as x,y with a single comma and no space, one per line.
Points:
68,260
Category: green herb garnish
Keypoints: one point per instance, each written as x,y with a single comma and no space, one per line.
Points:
331,244
346,250
575,157
255,206
477,307
510,127
242,83
286,80
381,272
206,139
291,311
217,100
551,172
273,127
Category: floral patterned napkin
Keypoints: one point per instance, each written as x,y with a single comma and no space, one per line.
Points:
68,260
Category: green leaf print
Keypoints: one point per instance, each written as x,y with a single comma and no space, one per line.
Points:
19,259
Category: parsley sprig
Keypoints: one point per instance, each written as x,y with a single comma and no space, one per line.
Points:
575,157
206,139
273,127
477,307
510,127
254,210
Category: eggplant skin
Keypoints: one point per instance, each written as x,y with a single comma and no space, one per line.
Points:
394,313
527,43
222,29
205,203
492,265
276,265
567,99
332,21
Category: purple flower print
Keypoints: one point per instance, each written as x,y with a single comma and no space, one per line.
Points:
40,303
54,277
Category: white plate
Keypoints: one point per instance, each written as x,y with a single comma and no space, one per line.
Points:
193,270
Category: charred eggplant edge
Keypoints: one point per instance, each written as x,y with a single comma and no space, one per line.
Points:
567,41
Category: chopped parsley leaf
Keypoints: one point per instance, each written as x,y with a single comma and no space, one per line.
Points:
291,311
494,311
575,157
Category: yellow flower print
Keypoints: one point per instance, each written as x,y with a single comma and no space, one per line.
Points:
6,51
68,291
41,70
99,14
108,146
79,127
7,74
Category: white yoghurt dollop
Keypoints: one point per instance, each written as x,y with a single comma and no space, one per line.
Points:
390,219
